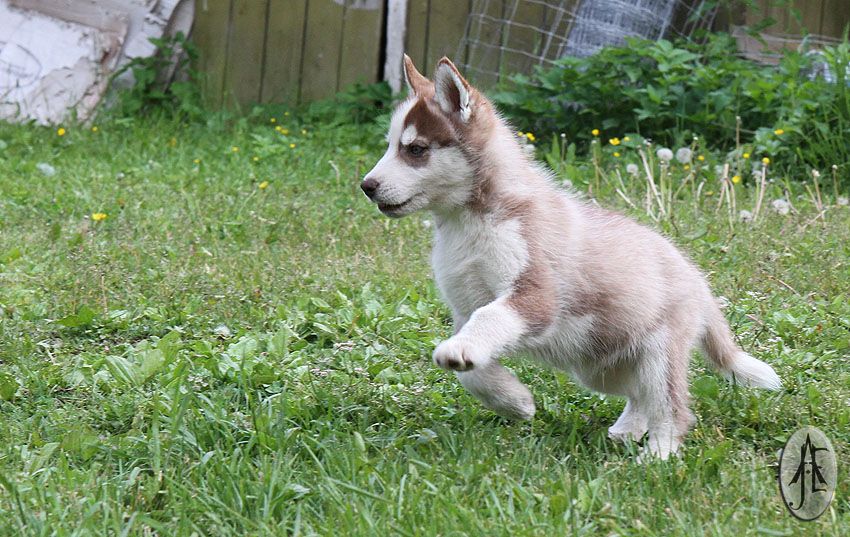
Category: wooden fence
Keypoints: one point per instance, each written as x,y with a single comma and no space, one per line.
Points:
262,51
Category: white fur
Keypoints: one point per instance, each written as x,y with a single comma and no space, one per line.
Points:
408,135
476,260
446,75
752,372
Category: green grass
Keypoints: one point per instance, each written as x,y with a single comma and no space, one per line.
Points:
220,359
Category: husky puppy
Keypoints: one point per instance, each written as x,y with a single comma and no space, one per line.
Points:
525,267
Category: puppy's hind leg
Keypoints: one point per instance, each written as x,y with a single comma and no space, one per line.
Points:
631,425
499,390
666,399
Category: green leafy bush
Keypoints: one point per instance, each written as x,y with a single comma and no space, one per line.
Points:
672,91
151,90
358,103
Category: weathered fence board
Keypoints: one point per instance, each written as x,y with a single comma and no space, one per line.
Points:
416,37
244,72
835,18
359,57
320,64
212,20
446,23
284,42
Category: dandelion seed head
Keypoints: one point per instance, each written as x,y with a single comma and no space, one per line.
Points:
781,206
664,154
684,155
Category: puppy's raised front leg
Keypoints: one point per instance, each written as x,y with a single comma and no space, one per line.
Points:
489,331
499,390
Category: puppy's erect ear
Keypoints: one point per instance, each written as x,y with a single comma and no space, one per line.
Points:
416,83
452,90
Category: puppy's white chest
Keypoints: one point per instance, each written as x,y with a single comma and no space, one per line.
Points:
477,260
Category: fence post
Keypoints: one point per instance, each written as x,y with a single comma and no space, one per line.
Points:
396,27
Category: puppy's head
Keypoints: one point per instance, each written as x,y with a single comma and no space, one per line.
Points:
429,161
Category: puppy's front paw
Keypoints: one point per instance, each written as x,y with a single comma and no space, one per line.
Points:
458,354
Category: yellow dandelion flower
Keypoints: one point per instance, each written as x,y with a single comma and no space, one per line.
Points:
616,154
303,131
234,149
60,131
700,158
272,120
94,128
256,159
286,113
291,146
263,185
736,179
746,155
779,132
765,161
626,138
530,136
197,161
284,131
614,141
278,128
686,167
595,132
520,134
97,217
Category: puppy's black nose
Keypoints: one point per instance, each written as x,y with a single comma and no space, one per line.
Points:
369,186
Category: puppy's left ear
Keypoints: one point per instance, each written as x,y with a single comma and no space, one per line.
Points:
453,92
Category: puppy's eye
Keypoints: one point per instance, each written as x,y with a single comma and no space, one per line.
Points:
417,150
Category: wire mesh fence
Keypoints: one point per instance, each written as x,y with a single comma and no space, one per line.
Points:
512,36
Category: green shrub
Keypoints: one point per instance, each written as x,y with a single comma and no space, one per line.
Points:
358,103
672,91
151,91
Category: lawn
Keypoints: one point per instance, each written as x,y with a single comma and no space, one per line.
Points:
206,329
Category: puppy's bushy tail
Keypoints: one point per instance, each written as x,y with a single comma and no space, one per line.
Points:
730,360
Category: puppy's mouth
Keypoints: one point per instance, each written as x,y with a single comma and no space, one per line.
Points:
396,209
